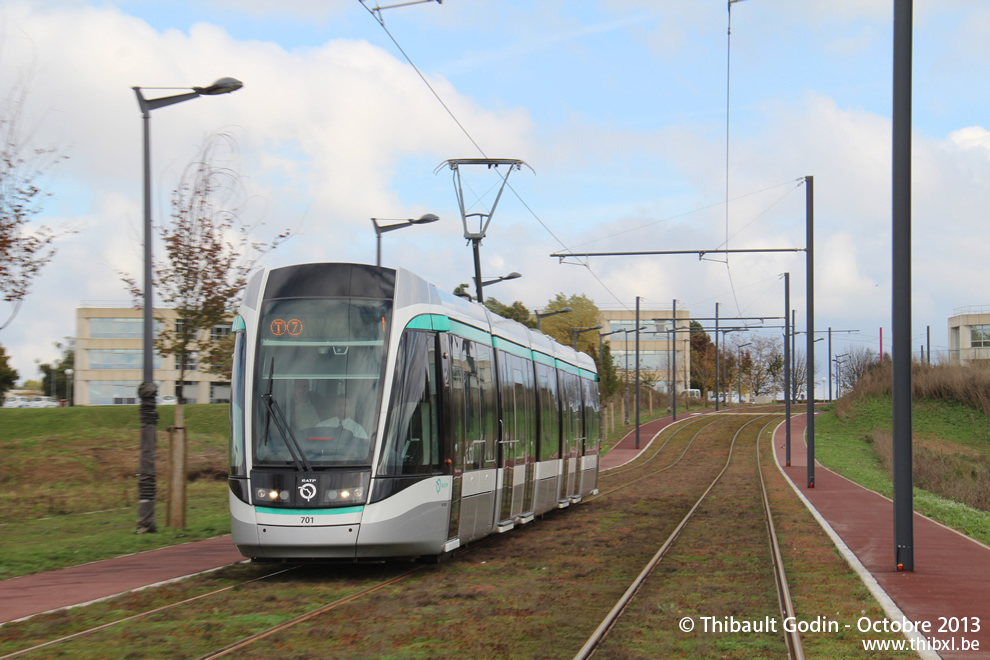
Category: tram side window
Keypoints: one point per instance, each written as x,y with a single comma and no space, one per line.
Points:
473,402
237,441
549,431
518,407
412,444
592,424
570,395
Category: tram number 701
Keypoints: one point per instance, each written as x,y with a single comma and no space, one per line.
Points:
306,520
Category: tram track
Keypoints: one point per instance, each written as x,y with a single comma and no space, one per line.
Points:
786,608
546,581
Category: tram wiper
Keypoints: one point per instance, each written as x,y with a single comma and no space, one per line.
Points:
275,411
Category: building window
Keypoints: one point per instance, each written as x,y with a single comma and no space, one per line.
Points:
220,331
116,328
219,392
120,358
655,330
191,362
113,392
980,336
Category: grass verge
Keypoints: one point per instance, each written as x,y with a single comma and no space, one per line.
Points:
844,444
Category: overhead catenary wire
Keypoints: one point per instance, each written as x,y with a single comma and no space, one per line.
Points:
477,146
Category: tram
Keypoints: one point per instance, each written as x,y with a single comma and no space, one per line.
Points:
374,416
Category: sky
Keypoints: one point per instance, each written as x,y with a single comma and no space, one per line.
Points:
646,124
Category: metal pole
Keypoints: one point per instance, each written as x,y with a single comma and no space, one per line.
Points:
637,372
625,378
476,242
928,341
716,359
673,384
901,301
148,391
810,254
830,364
793,393
378,252
787,368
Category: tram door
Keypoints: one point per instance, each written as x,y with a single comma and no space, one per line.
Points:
572,433
516,446
472,418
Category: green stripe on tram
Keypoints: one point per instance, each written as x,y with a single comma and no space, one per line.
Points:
339,511
512,347
543,358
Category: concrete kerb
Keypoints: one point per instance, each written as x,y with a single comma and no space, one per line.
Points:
893,612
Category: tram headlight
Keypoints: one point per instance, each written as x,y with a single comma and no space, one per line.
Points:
344,494
273,494
331,495
284,496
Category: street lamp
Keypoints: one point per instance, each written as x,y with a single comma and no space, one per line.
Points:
511,276
379,230
148,390
539,317
577,331
68,385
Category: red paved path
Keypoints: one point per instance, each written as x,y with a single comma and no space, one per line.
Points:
951,576
33,594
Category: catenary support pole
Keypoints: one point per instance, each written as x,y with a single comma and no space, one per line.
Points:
787,368
901,301
809,182
673,385
637,372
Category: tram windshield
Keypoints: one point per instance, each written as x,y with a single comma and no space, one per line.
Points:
317,380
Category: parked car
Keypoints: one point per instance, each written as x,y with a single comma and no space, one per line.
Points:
15,402
41,402
167,400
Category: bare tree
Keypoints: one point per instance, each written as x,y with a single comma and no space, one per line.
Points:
854,365
207,256
24,250
799,374
766,357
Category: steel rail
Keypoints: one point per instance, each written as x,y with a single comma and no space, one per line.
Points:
599,634
219,653
83,633
792,638
655,472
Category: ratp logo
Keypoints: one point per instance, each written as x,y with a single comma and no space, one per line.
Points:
441,485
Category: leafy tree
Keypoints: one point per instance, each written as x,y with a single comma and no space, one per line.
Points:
207,257
57,371
8,375
561,326
608,375
516,311
24,251
702,360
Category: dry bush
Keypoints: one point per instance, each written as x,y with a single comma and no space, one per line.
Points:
968,385
954,476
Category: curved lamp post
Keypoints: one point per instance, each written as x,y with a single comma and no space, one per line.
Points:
511,276
148,390
379,230
540,317
578,331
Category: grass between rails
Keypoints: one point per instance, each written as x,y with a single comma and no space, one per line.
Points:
549,583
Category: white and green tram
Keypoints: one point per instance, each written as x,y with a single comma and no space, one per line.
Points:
375,416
